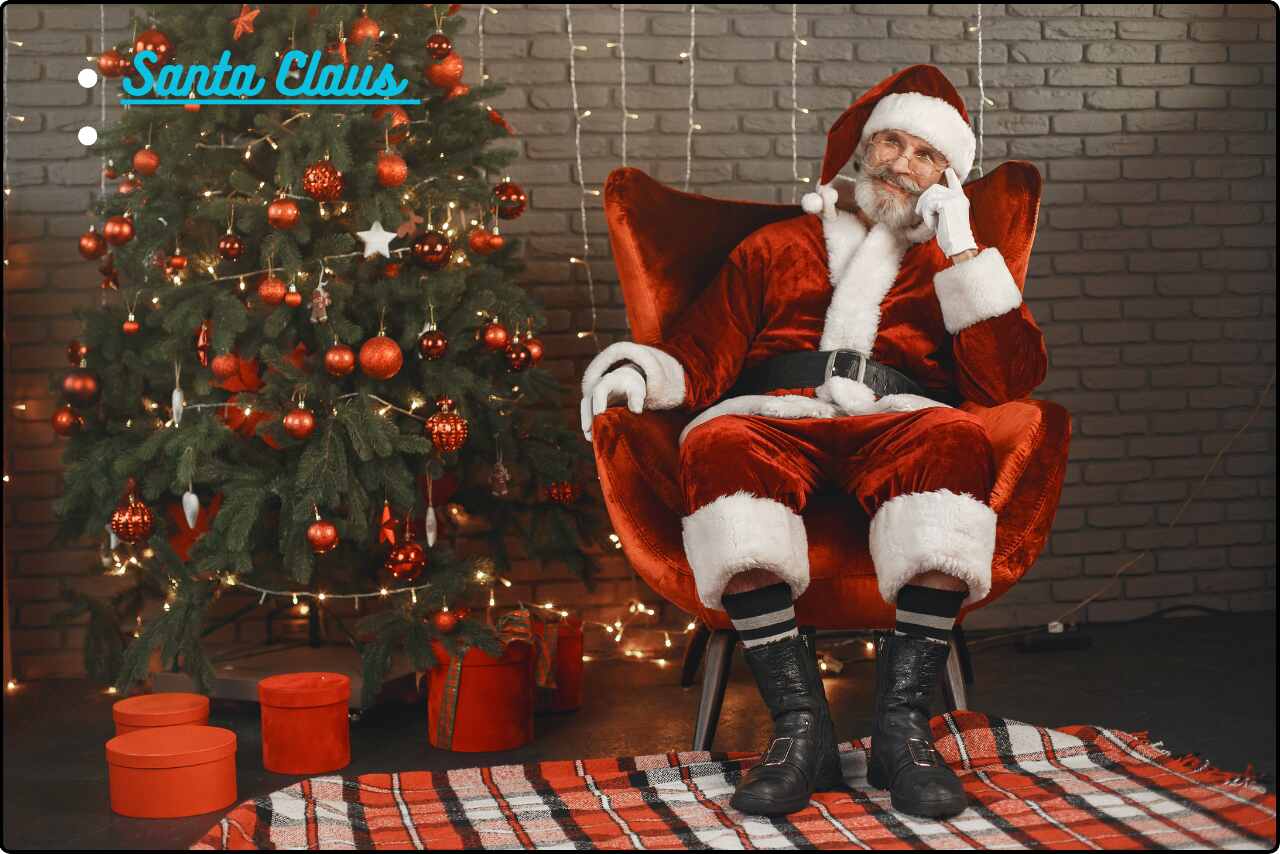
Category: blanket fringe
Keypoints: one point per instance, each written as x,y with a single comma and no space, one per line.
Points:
1196,766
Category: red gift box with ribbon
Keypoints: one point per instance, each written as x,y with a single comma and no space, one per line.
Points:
562,641
479,703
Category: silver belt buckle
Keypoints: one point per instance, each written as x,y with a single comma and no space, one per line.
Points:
831,364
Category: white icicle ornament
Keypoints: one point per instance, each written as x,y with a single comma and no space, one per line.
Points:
190,507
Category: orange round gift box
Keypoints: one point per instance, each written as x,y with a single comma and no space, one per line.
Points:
305,729
172,771
495,700
151,710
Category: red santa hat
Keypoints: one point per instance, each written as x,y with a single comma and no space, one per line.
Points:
918,99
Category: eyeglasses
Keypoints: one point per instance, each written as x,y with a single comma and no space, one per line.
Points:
922,162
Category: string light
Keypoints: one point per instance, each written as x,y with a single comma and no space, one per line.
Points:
795,155
688,139
982,95
582,181
622,69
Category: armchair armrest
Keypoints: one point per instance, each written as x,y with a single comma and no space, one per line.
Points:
1016,430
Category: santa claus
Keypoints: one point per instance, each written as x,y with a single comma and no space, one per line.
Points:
831,348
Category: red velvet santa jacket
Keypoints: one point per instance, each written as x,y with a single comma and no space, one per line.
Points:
823,282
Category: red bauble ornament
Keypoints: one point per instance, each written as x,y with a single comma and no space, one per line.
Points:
495,335
111,63
535,349
283,213
66,422
392,170
433,343
128,185
292,298
322,181
118,230
339,360
458,91
132,521
439,46
432,250
157,41
496,240
448,429
225,366
271,290
518,356
563,491
110,172
322,535
230,246
511,199
92,245
131,325
380,358
406,560
80,387
391,270
445,622
398,130
299,423
76,351
177,261
478,240
446,73
146,161
191,107
364,29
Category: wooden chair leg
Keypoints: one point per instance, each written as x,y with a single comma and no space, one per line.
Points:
693,655
715,677
953,682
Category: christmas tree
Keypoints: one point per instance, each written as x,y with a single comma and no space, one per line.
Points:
309,333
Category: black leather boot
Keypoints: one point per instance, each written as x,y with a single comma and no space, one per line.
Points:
903,758
803,757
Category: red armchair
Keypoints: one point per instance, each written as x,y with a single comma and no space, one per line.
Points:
668,245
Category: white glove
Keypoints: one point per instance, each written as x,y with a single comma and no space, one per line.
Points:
624,384
946,210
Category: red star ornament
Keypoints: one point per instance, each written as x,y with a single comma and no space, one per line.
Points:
244,22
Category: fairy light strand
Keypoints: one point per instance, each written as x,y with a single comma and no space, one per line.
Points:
102,97
795,158
578,115
688,137
982,94
480,40
622,70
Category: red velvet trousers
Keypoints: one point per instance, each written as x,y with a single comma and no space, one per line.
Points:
871,457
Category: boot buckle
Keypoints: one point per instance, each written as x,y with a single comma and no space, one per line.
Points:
771,757
923,753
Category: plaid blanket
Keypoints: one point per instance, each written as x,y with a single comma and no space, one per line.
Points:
1029,787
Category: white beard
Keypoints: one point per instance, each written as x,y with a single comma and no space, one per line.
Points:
883,205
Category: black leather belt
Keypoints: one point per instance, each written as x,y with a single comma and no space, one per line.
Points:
810,368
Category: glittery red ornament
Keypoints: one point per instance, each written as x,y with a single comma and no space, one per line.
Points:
322,181
128,185
131,326
495,335
271,290
562,491
478,240
433,343
406,561
118,230
76,351
283,213
92,245
445,622
392,170
177,261
390,270
432,250
132,520
230,246
146,161
446,73
364,29
448,429
339,360
225,366
439,46
398,126
80,387
299,423
510,198
66,422
518,356
380,358
322,535
111,63
535,349
156,41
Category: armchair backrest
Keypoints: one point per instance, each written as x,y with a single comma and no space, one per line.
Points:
668,245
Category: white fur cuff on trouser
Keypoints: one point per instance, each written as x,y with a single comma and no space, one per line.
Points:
951,532
743,531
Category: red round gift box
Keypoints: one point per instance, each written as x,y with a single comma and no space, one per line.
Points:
495,699
153,710
305,729
172,771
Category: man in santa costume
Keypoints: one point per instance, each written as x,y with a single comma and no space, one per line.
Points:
832,347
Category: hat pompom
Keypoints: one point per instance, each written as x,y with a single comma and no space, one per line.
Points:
811,203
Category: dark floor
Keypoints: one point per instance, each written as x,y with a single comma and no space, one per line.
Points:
1203,685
